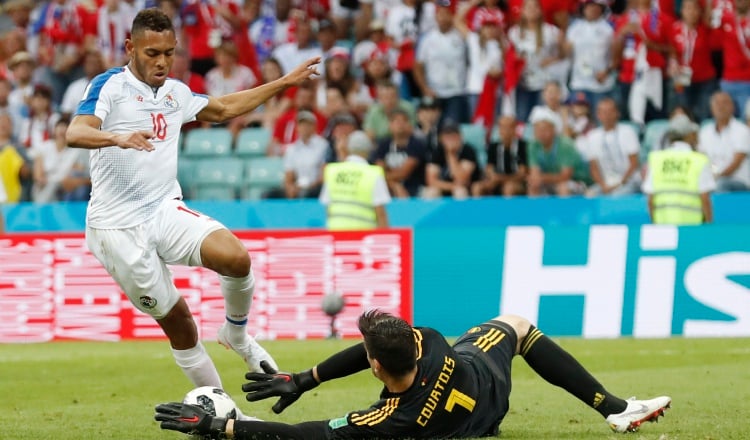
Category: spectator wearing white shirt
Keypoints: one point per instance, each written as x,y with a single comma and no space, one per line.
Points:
612,152
304,47
540,45
113,28
92,65
588,42
405,24
441,67
485,55
229,76
726,142
304,159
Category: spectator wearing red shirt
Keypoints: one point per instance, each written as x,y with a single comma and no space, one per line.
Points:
208,23
285,129
693,76
735,30
60,32
557,12
642,28
181,71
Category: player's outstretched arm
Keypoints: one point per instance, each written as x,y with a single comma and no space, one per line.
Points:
224,108
289,387
191,419
84,132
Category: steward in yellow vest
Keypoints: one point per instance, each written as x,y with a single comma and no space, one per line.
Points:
354,191
679,179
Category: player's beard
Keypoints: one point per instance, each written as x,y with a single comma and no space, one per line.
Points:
146,73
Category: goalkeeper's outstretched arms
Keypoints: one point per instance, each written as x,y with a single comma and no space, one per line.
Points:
288,387
193,420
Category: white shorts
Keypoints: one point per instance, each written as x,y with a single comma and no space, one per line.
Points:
137,257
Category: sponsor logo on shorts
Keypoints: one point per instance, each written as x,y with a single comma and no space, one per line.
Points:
147,302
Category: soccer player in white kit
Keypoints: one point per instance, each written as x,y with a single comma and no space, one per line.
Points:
130,118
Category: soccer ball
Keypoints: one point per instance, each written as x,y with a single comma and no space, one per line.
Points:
214,401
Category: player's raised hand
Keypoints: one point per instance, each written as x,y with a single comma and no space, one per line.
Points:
190,419
287,386
303,72
137,140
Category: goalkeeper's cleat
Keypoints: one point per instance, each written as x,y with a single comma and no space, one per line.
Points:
249,349
637,412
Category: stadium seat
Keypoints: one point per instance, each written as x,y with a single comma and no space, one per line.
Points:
345,43
476,136
214,193
216,179
652,135
185,175
208,142
252,142
261,175
528,132
220,171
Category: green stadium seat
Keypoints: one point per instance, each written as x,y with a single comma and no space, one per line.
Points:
476,136
219,172
652,135
261,175
208,142
185,175
216,179
214,193
252,142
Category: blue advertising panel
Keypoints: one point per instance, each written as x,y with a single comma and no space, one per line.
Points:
592,281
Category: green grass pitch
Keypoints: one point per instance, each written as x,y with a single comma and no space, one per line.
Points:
82,390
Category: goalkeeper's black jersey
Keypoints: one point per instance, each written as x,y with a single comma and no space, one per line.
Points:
455,394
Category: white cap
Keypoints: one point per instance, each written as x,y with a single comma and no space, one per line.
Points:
545,114
681,125
359,142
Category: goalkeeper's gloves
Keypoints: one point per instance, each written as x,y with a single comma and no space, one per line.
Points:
190,419
287,386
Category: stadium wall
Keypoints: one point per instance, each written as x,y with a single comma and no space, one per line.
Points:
578,267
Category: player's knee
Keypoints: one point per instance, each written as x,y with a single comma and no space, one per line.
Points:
238,265
519,324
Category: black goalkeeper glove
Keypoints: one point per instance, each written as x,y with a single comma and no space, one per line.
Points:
287,386
190,419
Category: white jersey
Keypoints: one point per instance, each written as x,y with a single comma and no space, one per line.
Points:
129,185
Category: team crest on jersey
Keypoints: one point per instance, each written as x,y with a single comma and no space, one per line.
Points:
170,102
139,98
147,302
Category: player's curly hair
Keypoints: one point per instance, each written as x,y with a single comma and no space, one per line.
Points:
390,340
151,19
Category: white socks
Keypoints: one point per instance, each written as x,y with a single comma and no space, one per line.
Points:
197,366
238,297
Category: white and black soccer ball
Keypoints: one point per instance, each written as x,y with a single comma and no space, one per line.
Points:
214,401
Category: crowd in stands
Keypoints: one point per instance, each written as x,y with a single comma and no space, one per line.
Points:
463,98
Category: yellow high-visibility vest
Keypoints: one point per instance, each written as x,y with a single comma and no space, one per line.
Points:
350,188
10,165
675,176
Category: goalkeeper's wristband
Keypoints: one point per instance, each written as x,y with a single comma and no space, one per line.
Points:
305,381
217,428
